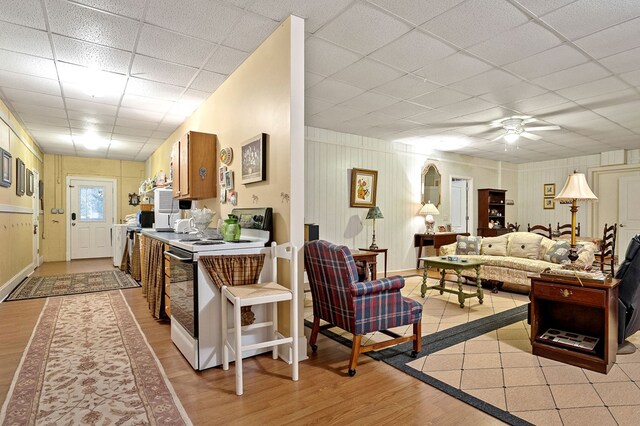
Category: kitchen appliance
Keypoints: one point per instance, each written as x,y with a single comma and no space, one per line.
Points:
196,300
165,209
183,226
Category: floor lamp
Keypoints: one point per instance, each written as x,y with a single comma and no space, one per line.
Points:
575,189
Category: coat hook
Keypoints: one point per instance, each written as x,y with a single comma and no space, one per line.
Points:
285,197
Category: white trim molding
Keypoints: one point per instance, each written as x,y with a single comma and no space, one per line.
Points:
7,208
10,285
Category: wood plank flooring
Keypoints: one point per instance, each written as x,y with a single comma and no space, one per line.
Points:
378,394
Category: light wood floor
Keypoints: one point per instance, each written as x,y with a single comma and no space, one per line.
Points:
378,394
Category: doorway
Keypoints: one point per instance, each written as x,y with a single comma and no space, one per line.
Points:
628,212
460,204
35,218
91,210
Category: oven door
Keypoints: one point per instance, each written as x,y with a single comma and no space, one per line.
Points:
184,289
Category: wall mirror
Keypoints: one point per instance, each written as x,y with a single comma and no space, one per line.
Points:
431,182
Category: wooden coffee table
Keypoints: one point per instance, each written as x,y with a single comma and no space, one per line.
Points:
458,266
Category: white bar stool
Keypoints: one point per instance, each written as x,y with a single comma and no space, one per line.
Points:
257,294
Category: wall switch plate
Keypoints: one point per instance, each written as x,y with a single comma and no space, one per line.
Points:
54,211
60,211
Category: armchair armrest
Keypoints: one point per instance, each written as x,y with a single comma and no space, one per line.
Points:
377,286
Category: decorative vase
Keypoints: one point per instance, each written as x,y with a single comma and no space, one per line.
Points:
231,229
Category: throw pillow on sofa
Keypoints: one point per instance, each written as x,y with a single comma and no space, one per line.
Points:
558,253
525,245
494,246
468,245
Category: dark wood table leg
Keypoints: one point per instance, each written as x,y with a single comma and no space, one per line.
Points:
419,253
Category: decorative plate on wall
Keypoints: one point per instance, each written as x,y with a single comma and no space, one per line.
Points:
226,155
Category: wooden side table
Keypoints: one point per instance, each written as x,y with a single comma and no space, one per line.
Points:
379,250
369,259
580,307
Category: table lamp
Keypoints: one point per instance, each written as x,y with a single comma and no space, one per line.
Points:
428,210
575,189
374,213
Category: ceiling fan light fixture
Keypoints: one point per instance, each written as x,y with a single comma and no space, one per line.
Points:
511,137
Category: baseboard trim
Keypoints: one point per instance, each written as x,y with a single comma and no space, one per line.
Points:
8,287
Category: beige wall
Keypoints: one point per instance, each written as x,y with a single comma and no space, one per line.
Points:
16,228
128,175
255,99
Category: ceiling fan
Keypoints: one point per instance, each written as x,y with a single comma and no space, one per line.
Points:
516,126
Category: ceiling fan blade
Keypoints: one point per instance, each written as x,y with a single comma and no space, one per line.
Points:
543,128
529,120
499,137
530,136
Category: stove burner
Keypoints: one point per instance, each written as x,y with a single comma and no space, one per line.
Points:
207,243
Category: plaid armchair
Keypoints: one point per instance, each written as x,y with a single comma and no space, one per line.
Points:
357,307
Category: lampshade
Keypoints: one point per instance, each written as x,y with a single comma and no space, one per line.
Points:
428,208
576,188
374,213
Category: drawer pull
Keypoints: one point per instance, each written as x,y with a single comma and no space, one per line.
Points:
565,293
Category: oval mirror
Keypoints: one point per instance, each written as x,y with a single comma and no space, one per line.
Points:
431,180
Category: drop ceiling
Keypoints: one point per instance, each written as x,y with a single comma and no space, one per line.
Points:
432,73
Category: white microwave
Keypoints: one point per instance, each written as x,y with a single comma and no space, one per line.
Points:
165,209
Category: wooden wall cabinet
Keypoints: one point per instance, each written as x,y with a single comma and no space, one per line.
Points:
194,167
491,206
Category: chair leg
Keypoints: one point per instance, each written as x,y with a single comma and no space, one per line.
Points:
224,325
237,324
355,353
417,334
274,322
314,334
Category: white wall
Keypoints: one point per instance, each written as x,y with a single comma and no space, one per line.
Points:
330,156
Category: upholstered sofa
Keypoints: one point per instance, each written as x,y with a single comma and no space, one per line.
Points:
512,258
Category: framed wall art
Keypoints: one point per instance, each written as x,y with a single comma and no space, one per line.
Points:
20,176
254,159
228,179
549,203
363,187
30,183
221,171
5,168
549,189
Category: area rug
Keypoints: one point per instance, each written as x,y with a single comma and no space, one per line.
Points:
60,285
87,362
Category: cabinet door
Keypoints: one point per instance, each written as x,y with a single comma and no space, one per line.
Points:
184,166
175,169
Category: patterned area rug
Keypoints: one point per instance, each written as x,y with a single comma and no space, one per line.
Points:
88,363
60,285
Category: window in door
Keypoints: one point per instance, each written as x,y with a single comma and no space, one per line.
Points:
91,203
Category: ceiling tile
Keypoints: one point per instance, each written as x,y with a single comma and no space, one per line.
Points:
432,116
225,60
27,64
623,62
339,114
367,74
138,86
363,28
632,77
315,13
35,119
535,103
130,131
90,107
552,60
375,118
612,40
38,110
588,16
593,88
130,8
313,106
208,81
25,40
397,126
324,58
27,82
515,44
89,117
111,85
467,106
413,51
91,25
333,91
440,97
164,72
453,68
417,11
311,79
163,134
402,110
142,102
205,19
188,102
540,7
91,55
74,91
486,82
163,44
136,124
34,98
78,124
407,86
368,102
250,32
460,24
572,76
139,114
24,12
513,93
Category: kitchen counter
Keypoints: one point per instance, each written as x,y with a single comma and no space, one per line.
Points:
165,237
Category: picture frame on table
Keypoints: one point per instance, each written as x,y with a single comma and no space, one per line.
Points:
364,184
549,189
254,160
442,228
20,177
221,171
228,179
549,203
5,168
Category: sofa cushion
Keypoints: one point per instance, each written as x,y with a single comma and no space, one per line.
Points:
558,252
468,245
525,245
494,246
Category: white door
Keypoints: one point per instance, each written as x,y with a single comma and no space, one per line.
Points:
91,215
35,219
459,205
628,212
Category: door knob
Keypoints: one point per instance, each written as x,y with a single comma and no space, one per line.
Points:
621,225
73,224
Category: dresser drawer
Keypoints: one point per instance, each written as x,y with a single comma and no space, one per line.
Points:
579,295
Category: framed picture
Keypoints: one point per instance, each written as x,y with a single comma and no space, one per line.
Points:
442,228
221,171
30,183
20,175
233,198
228,179
549,203
549,189
363,187
223,196
5,169
254,159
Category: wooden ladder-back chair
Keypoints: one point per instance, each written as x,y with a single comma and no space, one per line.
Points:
357,307
540,230
605,257
566,229
513,227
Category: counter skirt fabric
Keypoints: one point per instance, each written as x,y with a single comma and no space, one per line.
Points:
153,275
135,258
